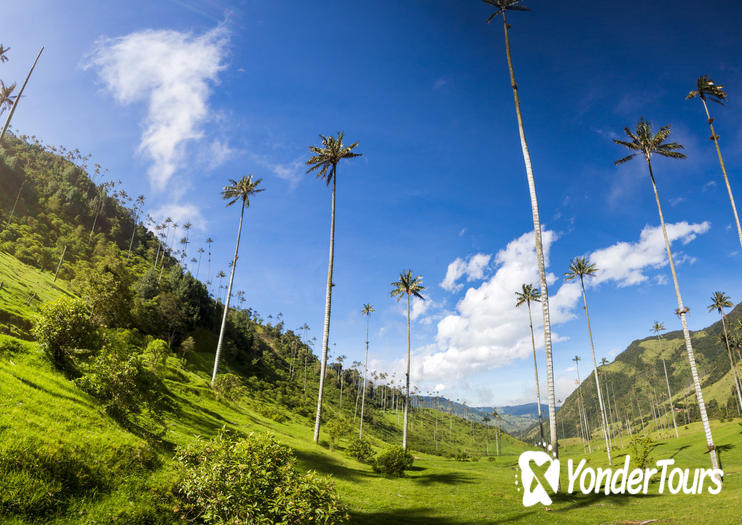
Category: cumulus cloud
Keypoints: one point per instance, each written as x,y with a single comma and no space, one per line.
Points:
474,268
181,214
173,73
487,331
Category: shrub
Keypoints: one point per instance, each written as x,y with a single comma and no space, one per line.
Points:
187,347
491,458
156,354
63,326
393,462
640,448
272,413
360,449
229,387
337,427
125,387
251,480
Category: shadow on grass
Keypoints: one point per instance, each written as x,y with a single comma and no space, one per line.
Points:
325,464
415,516
447,478
30,383
679,449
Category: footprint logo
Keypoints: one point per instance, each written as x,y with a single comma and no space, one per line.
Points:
533,490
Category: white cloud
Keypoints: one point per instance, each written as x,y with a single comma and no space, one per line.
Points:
487,331
474,269
181,214
626,262
219,153
172,72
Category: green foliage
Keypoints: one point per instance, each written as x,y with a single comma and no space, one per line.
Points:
156,354
125,387
187,347
360,449
251,480
63,326
393,462
228,387
337,427
640,449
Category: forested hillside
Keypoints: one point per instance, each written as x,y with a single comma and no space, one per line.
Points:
634,386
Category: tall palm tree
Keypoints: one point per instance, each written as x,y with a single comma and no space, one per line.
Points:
707,88
18,97
646,143
408,286
237,190
530,294
324,161
657,329
581,267
719,301
365,312
501,7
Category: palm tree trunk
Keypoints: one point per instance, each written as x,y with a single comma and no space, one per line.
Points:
133,231
229,295
328,305
686,333
539,250
597,379
17,198
535,372
407,378
669,397
731,361
59,265
18,97
365,380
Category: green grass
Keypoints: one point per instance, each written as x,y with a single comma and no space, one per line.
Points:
23,289
108,473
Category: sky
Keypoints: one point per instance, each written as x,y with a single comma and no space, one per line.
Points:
177,97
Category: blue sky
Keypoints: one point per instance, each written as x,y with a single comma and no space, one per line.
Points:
175,97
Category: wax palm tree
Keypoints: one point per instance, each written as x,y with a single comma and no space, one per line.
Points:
646,143
408,286
719,301
365,312
237,190
581,413
324,162
657,329
706,88
6,96
527,295
501,7
579,268
3,51
18,97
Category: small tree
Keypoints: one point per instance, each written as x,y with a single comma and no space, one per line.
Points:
63,326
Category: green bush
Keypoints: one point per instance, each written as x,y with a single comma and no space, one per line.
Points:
272,412
229,387
360,449
251,480
156,354
63,326
337,427
640,448
393,462
125,387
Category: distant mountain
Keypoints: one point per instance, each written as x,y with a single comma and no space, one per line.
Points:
513,419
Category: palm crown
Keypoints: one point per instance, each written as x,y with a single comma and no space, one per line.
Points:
645,142
658,328
719,301
603,362
580,267
705,87
367,309
241,190
408,285
6,95
504,5
528,294
3,50
327,156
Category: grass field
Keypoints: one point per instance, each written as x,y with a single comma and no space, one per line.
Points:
110,474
